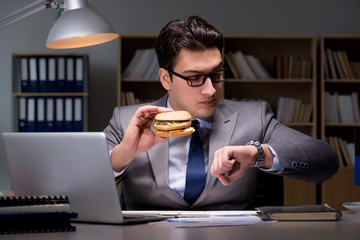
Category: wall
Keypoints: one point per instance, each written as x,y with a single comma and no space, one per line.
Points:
144,16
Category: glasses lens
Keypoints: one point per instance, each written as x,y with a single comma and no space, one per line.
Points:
196,80
217,76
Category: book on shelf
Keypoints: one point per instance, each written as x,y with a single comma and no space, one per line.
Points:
143,65
246,66
346,109
339,66
344,150
334,143
258,67
290,110
230,63
33,214
129,98
331,108
342,108
322,212
292,67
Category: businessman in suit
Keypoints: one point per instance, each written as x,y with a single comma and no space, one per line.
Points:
237,138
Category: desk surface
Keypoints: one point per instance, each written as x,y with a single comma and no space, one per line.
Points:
348,228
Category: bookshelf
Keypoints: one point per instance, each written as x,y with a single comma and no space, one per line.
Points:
290,61
140,87
50,92
340,79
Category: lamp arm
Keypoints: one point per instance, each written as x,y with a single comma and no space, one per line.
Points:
49,4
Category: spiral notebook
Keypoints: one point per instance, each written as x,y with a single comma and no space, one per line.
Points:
68,163
34,214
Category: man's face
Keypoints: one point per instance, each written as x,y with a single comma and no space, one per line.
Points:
200,101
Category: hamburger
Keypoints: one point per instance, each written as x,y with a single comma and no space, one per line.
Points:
173,124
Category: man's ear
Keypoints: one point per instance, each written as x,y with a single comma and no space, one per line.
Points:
165,78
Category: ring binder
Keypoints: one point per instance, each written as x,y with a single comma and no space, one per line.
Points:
34,214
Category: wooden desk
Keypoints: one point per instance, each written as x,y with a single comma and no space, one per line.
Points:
348,228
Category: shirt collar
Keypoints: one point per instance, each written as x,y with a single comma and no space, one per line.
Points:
204,122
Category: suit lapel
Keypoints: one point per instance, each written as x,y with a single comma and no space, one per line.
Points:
159,159
222,127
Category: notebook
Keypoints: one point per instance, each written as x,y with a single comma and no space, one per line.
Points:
68,163
321,212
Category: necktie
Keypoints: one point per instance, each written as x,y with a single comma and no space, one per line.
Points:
195,172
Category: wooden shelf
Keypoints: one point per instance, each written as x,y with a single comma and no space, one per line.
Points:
339,188
59,94
266,48
76,96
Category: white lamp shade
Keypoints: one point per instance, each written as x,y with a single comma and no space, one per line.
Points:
80,27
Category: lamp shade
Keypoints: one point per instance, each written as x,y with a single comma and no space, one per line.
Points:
80,27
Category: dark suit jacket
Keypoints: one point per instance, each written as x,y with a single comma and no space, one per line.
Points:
145,182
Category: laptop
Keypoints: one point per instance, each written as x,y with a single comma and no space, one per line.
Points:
68,163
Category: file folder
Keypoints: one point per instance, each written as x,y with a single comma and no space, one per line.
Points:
79,74
70,75
50,113
68,115
78,115
31,108
51,67
59,115
60,80
43,78
22,126
24,74
40,113
33,74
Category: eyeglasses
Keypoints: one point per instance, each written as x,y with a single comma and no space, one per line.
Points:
199,79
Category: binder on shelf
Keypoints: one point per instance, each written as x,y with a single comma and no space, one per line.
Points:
40,113
60,80
78,115
68,115
33,75
59,114
43,74
22,126
51,66
31,110
79,74
24,74
50,114
70,75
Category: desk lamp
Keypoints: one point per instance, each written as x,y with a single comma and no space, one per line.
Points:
78,26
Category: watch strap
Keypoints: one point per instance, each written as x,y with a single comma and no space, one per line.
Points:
261,155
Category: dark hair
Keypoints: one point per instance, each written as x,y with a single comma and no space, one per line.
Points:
192,33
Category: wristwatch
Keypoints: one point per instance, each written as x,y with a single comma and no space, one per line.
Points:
260,157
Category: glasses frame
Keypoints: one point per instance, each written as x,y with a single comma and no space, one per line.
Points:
206,76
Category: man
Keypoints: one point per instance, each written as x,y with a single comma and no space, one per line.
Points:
237,137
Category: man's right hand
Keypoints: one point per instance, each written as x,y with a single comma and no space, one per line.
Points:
138,137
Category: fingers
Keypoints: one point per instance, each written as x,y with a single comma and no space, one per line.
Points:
144,116
229,164
149,111
223,162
